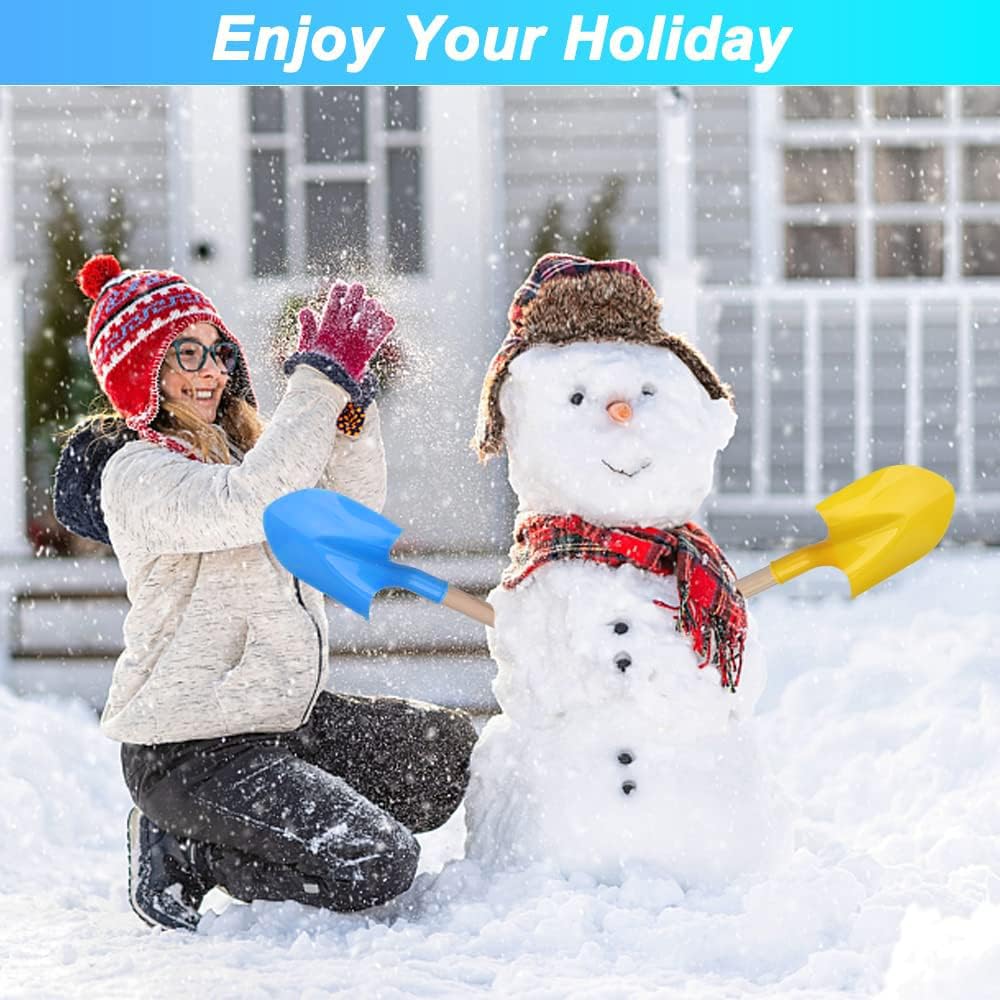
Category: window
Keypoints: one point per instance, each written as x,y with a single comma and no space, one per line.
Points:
336,178
888,183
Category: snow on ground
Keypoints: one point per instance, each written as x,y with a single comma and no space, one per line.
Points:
882,722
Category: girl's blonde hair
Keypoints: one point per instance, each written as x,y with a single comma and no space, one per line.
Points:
238,424
237,418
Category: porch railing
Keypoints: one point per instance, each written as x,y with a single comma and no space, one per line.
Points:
831,383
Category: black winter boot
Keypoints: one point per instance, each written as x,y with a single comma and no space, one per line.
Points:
168,878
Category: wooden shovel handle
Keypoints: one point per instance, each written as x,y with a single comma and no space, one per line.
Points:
755,583
459,600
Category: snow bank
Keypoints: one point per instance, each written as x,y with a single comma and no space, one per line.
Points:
939,956
881,725
59,778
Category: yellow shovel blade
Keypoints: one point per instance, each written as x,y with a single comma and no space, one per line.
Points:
877,526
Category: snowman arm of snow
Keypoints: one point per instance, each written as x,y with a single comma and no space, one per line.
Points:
753,677
526,684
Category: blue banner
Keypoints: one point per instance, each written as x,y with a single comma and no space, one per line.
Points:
184,42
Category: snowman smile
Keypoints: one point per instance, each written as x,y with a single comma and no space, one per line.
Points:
629,475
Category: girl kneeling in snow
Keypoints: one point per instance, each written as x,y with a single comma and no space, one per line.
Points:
246,774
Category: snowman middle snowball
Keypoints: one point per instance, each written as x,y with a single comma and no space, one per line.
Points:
627,669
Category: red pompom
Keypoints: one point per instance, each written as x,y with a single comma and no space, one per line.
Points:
96,273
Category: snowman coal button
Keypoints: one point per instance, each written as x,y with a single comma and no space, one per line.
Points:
628,787
620,628
623,661
625,757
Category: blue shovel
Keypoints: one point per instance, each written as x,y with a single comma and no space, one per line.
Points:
341,547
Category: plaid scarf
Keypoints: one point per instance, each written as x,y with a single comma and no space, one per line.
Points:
711,612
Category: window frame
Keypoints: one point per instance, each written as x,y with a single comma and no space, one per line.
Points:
373,171
773,134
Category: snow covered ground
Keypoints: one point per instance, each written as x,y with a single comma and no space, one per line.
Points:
882,723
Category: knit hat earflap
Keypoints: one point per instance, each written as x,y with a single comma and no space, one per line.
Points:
136,316
568,299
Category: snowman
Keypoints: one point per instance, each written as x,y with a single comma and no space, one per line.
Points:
627,669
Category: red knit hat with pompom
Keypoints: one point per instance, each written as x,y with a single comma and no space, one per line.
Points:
135,318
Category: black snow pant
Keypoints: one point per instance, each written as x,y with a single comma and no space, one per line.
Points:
324,815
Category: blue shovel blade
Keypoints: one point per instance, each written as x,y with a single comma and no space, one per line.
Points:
341,547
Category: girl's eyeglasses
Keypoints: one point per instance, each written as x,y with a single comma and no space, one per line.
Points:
192,354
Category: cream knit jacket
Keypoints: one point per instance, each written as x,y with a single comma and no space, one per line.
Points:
220,639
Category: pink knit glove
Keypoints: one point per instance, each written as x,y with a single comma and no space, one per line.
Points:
351,330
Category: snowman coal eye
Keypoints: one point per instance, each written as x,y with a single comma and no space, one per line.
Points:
649,390
576,399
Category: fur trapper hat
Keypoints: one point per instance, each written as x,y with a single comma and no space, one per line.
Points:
568,299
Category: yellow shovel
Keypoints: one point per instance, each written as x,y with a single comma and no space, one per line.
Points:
875,527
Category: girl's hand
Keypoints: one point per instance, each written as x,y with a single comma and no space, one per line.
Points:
351,330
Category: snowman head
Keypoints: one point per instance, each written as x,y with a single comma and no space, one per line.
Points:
614,432
602,413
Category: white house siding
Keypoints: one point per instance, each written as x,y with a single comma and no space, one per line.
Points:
98,138
562,142
722,183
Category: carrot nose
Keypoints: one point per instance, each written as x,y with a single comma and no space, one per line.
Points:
620,411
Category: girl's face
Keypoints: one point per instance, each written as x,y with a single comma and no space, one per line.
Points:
201,389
